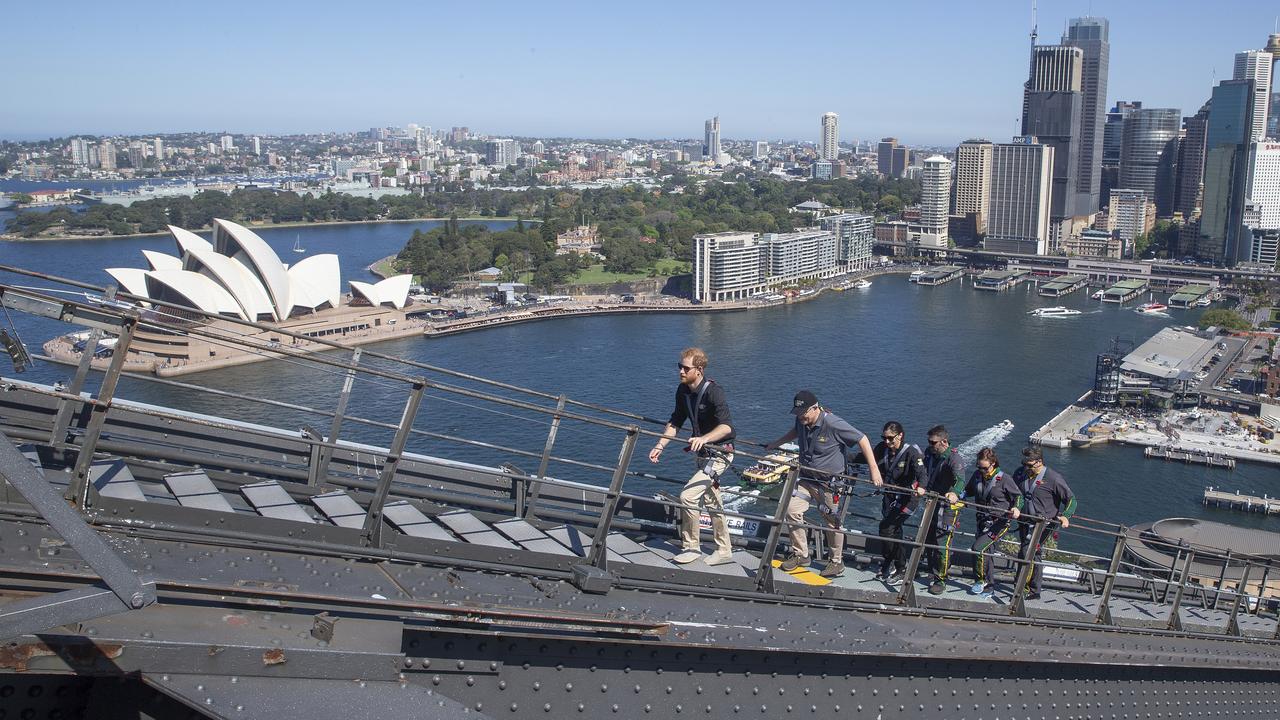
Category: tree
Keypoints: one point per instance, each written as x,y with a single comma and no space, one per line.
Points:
889,205
21,199
1224,318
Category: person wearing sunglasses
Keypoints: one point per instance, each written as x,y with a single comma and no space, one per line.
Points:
994,496
825,440
945,472
1045,494
902,467
702,402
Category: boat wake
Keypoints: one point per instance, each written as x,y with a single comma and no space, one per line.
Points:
986,438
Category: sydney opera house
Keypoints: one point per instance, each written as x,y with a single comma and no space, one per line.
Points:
239,276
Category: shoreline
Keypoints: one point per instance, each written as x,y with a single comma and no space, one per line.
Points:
5,237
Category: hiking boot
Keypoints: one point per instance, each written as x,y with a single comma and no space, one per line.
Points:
794,562
1032,595
897,577
834,569
719,558
686,557
883,573
937,588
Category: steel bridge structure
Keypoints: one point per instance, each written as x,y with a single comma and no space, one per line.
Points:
161,563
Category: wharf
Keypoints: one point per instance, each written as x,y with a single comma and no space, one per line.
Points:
1200,457
1124,291
1062,285
1071,422
1000,280
941,276
1189,295
1238,501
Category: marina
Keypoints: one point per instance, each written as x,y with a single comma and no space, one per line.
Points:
1062,285
940,275
1218,498
1191,296
1124,291
1000,280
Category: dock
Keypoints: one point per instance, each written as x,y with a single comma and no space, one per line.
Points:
941,275
1124,291
1062,285
1198,457
1189,295
1238,501
1000,280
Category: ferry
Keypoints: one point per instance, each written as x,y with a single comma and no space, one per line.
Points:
915,276
1098,295
862,284
1150,308
772,469
1058,311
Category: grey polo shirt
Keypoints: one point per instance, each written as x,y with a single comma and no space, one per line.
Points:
823,446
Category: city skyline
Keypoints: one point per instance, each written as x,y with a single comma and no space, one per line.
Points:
582,72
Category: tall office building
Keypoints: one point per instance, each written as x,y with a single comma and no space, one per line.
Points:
1112,140
1093,37
1255,65
711,139
1053,116
1021,180
830,136
1263,185
1186,199
1148,152
1227,139
972,190
935,201
900,160
884,155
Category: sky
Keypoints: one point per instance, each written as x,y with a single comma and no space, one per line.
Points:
927,72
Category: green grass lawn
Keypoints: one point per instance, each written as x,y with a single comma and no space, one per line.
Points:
597,275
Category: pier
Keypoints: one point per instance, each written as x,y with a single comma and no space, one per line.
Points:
1238,501
1199,457
1062,285
1000,280
1189,295
941,276
1124,291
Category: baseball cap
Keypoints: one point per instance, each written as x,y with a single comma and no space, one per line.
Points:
804,400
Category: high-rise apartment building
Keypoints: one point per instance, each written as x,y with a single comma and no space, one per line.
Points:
736,265
1227,139
228,143
1053,116
1021,180
137,153
855,236
884,155
830,136
1148,153
107,155
1093,37
1131,213
762,150
899,161
1256,65
971,192
79,151
935,202
501,153
711,139
257,145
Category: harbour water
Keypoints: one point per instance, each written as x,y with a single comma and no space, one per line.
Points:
920,355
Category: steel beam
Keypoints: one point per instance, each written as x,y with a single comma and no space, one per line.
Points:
907,595
527,504
80,489
1242,592
1018,605
320,469
66,406
1175,618
764,573
1117,556
372,532
599,556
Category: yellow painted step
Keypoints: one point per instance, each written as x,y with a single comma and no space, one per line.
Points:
805,575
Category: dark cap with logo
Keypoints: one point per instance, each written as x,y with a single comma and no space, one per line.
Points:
804,400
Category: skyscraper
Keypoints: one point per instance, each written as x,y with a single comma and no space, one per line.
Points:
830,136
1053,106
1147,154
1227,138
1021,179
1112,140
1186,199
80,151
228,143
935,201
1255,65
762,150
884,155
900,160
501,153
1263,187
257,145
107,155
972,191
1092,35
711,139
157,147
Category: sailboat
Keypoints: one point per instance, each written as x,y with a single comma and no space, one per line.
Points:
297,244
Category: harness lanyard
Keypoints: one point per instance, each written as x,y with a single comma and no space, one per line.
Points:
693,405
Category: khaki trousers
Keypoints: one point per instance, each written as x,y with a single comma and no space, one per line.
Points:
701,492
806,494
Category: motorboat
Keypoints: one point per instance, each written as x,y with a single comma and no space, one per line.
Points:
862,284
1005,424
1058,311
1150,308
1098,295
915,276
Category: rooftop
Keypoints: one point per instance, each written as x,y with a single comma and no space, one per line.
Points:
1169,354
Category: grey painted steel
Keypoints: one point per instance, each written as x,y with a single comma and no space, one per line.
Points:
271,500
66,407
112,478
1108,586
340,508
320,469
236,698
764,573
1242,592
533,488
194,489
80,488
1175,609
1018,605
373,520
43,612
599,557
907,595
409,520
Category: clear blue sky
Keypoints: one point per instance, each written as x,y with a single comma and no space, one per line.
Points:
926,72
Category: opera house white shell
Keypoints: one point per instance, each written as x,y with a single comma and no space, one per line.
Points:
239,275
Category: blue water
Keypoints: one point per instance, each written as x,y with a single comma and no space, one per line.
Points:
920,355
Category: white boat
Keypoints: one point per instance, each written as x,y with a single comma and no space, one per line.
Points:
1150,308
915,276
1005,424
1058,311
297,244
1098,295
862,284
